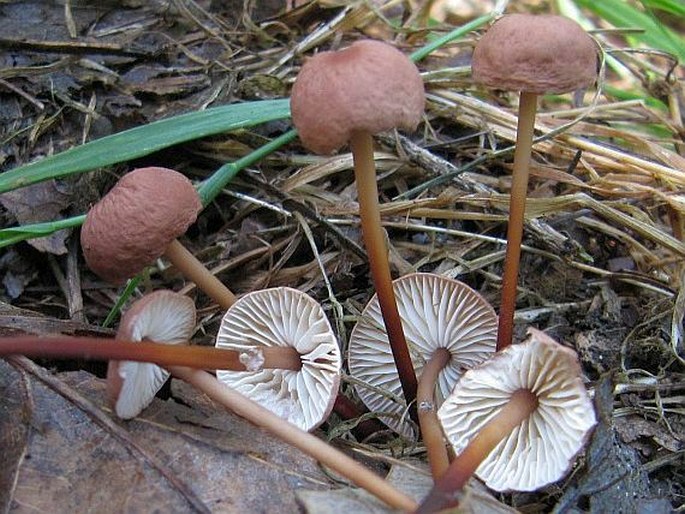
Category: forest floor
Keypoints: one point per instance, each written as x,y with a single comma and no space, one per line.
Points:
602,266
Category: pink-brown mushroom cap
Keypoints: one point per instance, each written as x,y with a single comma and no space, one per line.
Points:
133,224
536,54
369,86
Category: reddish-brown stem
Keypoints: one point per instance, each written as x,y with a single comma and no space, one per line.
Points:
374,241
517,210
445,492
194,270
431,430
95,348
304,441
346,409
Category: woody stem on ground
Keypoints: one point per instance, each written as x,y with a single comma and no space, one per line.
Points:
431,430
517,209
376,248
97,348
304,441
194,270
444,493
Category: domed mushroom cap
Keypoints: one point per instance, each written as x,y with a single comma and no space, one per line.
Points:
369,86
436,312
162,316
541,449
535,53
133,224
284,317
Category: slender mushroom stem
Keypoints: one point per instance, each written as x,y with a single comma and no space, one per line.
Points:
445,492
194,270
431,430
347,409
374,240
304,441
100,348
517,209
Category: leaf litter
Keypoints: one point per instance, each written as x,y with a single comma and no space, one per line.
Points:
602,263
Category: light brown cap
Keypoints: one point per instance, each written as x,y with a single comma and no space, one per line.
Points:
436,312
535,53
164,317
134,223
542,448
369,86
284,316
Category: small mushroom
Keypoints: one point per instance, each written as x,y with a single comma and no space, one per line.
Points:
517,420
285,318
347,96
532,54
138,221
441,317
162,316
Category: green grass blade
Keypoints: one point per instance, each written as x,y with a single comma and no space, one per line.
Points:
144,140
676,7
130,288
458,32
620,14
212,186
12,235
208,190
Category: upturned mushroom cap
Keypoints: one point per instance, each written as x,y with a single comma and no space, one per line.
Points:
542,448
162,316
538,53
134,223
436,312
369,86
284,317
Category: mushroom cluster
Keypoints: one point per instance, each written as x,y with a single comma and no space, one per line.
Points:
516,417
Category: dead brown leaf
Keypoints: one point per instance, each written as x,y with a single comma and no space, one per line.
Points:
64,451
411,477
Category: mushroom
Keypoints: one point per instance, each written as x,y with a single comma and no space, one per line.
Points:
284,317
532,54
160,316
347,96
450,328
518,420
138,221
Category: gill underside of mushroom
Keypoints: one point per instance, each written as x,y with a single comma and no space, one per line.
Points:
445,492
374,241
